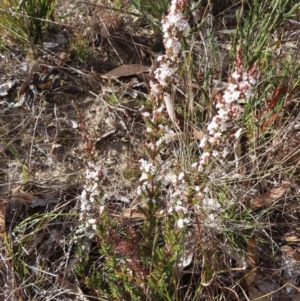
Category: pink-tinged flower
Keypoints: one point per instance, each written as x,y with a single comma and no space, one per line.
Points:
205,157
230,97
203,142
174,26
243,85
213,126
231,87
245,76
236,76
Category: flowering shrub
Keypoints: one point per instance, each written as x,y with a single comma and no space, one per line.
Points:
93,190
222,132
223,128
175,28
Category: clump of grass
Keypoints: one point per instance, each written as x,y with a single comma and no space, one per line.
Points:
152,11
25,21
80,45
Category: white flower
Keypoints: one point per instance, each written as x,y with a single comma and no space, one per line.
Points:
248,93
245,76
213,126
91,221
217,135
91,165
180,209
83,195
146,114
230,97
196,188
194,165
235,75
215,153
205,156
181,222
225,152
244,85
159,142
210,203
181,176
231,87
169,43
252,80
203,142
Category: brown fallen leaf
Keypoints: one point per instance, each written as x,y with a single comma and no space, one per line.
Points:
251,246
126,70
249,278
25,198
250,274
289,251
45,86
269,197
291,238
2,217
33,67
197,134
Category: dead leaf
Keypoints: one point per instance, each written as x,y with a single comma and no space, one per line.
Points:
196,133
168,138
2,217
170,107
269,197
289,251
269,289
132,214
250,277
266,291
255,294
22,197
251,245
291,238
33,67
43,200
45,86
126,70
32,200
